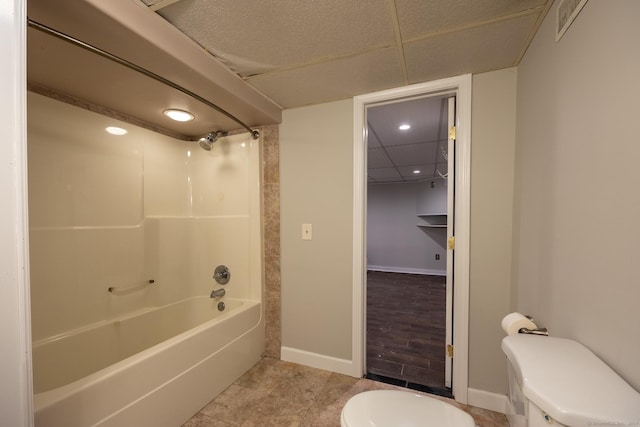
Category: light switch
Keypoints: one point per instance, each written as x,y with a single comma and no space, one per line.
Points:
307,232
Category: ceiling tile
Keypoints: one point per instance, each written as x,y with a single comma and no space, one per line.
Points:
413,178
377,158
426,116
372,139
332,80
476,50
256,36
413,154
426,171
419,17
384,174
385,180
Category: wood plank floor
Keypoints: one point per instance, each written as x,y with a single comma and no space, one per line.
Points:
406,328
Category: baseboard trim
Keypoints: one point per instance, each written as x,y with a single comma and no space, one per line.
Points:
387,269
487,400
320,361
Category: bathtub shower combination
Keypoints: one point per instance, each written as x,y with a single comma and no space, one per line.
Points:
129,326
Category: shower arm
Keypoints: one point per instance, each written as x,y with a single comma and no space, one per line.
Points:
48,30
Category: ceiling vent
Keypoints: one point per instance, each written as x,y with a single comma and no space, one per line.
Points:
565,14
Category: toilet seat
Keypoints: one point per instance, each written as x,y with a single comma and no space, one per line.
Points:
392,408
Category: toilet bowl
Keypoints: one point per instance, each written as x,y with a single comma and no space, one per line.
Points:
391,408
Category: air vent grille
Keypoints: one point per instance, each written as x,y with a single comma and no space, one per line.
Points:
565,14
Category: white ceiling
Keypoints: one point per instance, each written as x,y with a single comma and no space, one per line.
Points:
415,154
304,52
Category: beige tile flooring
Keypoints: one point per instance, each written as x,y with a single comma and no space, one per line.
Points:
277,393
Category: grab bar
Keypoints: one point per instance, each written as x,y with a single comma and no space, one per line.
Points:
121,290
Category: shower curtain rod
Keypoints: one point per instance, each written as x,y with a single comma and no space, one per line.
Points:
48,30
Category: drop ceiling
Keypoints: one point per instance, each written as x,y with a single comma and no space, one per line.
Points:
407,155
256,57
302,52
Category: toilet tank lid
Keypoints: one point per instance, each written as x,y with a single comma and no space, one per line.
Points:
570,383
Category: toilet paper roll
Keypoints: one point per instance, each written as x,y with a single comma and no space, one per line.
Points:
513,322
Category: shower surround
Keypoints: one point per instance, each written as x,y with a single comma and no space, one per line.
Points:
120,211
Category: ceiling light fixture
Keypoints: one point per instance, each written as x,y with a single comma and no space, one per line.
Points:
114,130
417,171
178,115
404,126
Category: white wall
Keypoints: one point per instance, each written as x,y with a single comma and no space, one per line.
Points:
394,240
316,162
492,176
578,204
116,211
15,369
316,182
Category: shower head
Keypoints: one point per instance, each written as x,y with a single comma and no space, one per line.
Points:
206,142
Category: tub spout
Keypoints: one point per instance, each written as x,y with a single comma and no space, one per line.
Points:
217,293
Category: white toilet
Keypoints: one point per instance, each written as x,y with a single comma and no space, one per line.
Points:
559,382
392,408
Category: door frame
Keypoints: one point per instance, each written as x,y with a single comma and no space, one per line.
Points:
16,404
461,87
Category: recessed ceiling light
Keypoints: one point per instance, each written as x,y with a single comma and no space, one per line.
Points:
114,130
404,126
417,171
179,115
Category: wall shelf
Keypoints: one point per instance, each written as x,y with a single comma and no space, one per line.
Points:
433,220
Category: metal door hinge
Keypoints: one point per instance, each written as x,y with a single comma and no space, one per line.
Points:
452,132
449,350
451,243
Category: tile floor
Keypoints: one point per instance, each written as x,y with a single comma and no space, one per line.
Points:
277,393
406,327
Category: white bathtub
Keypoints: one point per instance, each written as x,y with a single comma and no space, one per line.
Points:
157,367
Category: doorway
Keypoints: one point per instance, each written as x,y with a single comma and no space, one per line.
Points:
460,88
409,218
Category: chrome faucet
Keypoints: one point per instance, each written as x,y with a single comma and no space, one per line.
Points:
222,275
217,293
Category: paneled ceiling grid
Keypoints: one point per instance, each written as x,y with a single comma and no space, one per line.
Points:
303,52
254,57
407,155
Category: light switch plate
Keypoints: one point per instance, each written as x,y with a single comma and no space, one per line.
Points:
307,232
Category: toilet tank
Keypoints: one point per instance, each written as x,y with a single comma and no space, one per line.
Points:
555,381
